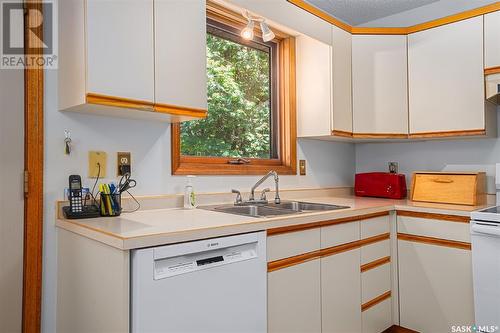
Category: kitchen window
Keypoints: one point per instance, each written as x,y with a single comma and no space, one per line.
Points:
250,125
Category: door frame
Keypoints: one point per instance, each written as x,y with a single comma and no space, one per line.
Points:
33,176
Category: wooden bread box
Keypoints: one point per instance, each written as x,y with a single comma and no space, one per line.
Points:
461,188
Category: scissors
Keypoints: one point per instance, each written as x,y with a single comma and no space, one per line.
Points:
126,183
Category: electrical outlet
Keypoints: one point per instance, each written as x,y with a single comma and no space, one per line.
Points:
302,167
393,167
97,164
123,163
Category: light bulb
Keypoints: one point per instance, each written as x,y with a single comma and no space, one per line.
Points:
247,32
267,34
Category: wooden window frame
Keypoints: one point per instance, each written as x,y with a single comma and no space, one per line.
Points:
286,163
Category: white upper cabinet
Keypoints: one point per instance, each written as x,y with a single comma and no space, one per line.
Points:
314,87
379,80
180,53
492,40
120,60
446,87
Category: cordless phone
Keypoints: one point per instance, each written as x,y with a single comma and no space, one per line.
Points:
75,194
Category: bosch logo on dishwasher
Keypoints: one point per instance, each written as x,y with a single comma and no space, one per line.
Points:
212,244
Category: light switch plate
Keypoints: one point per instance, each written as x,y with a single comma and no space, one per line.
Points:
97,164
123,159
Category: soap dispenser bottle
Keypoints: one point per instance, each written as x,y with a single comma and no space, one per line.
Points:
189,194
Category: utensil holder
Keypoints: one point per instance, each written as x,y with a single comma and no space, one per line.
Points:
110,204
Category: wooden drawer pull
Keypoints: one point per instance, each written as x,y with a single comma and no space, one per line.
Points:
443,181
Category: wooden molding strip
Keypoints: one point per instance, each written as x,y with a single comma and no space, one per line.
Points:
492,70
396,30
313,225
473,132
291,261
375,264
379,136
301,258
92,98
321,14
434,241
399,329
434,216
343,134
375,301
120,102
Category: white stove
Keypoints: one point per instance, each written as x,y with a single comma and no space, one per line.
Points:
485,235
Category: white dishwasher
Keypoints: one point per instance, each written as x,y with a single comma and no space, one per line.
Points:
214,285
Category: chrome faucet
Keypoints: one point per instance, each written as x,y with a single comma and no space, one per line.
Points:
277,199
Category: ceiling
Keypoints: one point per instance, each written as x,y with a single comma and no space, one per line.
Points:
358,12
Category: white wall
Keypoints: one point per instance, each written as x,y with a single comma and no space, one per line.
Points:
464,155
328,164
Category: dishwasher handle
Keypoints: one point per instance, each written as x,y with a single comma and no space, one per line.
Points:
486,229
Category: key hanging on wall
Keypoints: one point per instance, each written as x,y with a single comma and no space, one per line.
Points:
67,142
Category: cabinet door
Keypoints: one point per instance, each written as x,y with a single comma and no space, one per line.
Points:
180,53
379,80
294,299
445,68
435,287
342,80
492,40
120,48
314,93
341,292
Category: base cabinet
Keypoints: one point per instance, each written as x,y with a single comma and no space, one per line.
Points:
294,299
341,292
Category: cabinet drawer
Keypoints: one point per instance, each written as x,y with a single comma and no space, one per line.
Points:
375,226
292,244
378,318
375,251
458,231
375,282
339,234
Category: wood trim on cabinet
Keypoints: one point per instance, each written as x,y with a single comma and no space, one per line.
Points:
492,70
33,164
92,98
180,110
434,216
375,301
434,241
292,261
379,136
313,225
444,134
300,258
344,134
396,30
375,264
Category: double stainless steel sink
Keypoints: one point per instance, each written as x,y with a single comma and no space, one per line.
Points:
272,209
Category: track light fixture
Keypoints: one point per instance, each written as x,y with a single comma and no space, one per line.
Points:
247,32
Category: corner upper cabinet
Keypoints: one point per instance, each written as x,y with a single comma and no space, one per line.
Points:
380,90
492,40
180,55
446,81
113,60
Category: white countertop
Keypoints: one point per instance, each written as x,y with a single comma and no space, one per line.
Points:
165,226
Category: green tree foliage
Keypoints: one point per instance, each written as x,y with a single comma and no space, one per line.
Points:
238,121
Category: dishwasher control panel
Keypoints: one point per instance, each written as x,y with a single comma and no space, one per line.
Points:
188,263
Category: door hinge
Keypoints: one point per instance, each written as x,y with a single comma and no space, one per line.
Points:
26,182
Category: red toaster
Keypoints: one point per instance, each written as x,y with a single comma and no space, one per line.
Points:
380,184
